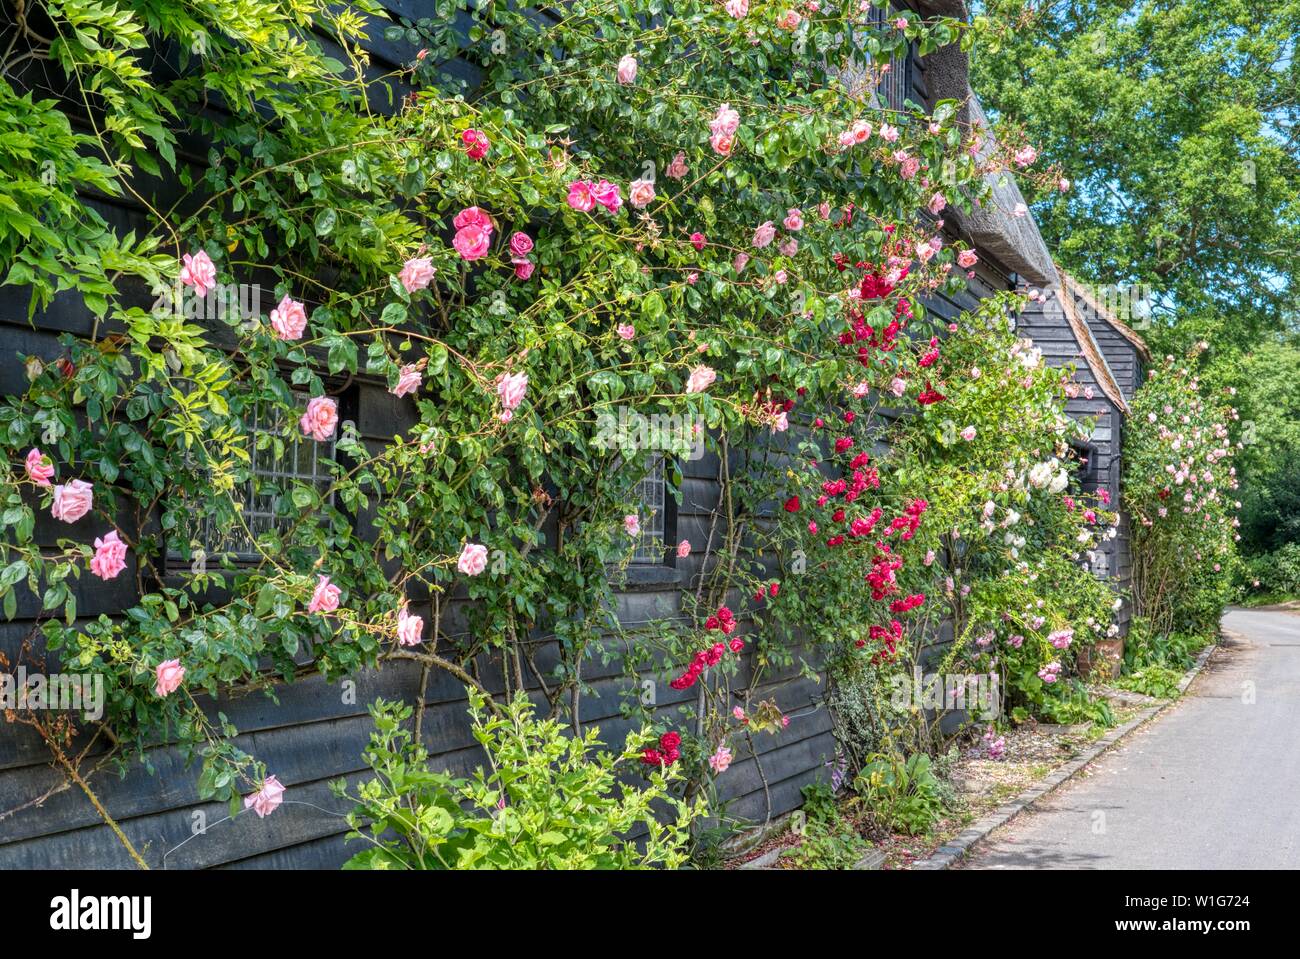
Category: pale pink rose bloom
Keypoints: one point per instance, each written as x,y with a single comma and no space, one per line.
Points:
764,233
416,273
738,264
898,386
626,331
677,168
737,9
1025,156
320,418
968,433
512,387
325,598
632,525
726,121
40,470
888,133
472,242
701,379
1063,185
966,259
861,389
934,129
640,193
627,69
167,677
929,557
110,556
1020,210
900,23
521,244
722,143
523,267
473,559
607,195
909,168
937,203
793,219
780,276
720,760
505,416
846,139
781,423
580,196
824,210
289,319
738,713
409,628
199,272
684,549
267,799
789,20
72,500
408,380
790,247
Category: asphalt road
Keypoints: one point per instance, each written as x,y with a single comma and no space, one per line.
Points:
1212,783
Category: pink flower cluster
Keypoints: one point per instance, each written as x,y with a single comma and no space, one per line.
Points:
473,236
584,195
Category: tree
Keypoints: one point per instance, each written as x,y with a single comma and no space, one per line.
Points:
1177,122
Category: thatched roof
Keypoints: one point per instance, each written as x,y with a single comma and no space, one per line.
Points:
1088,347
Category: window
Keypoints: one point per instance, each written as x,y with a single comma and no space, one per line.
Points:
294,458
896,85
1087,455
651,495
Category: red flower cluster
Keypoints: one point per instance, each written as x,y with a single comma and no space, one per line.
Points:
725,620
884,567
907,603
771,590
890,638
669,750
930,356
910,520
929,395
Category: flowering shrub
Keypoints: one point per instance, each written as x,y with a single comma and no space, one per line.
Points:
1179,482
706,218
547,801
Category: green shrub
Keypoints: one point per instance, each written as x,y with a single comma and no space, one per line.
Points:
547,800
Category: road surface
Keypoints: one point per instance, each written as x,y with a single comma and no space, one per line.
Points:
1212,783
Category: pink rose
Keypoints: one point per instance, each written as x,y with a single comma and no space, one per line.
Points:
793,220
737,8
267,799
320,418
626,331
968,433
966,259
521,244
580,196
72,500
167,677
721,143
790,247
640,193
909,168
720,760
473,216
473,559
739,263
1025,156
40,470
627,69
512,387
199,272
607,195
726,121
632,524
472,242
698,240
701,379
110,556
937,203
476,144
289,319
888,133
408,380
764,234
677,168
417,273
325,598
684,549
409,628
898,386
789,20
523,267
